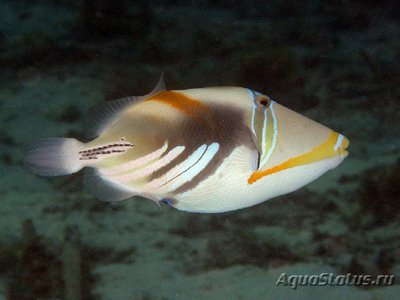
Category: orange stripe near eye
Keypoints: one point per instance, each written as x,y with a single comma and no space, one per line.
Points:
185,104
323,151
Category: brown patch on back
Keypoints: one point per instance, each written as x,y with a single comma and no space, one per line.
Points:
230,132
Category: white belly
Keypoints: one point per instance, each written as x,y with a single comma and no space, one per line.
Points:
228,188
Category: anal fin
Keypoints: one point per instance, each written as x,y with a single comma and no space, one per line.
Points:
104,189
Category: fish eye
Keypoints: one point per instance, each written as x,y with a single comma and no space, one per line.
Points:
263,101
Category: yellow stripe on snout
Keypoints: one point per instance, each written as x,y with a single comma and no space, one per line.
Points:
323,151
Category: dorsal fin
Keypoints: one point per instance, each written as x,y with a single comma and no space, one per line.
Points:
105,114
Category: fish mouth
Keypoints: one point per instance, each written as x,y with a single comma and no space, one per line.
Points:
343,148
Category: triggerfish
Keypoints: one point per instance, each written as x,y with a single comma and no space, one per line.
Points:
207,150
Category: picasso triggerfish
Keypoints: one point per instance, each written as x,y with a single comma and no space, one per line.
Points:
209,150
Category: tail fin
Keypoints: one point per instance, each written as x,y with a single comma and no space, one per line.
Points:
53,156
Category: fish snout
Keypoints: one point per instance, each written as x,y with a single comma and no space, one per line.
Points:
342,145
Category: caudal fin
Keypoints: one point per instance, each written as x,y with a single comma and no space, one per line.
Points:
53,156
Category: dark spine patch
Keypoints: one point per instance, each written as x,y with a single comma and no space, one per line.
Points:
95,153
